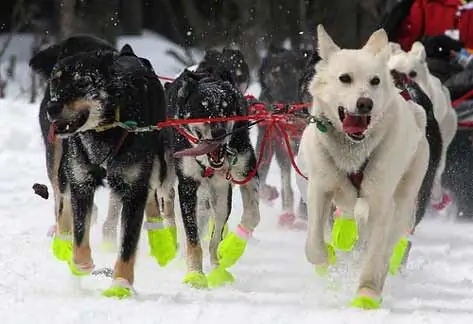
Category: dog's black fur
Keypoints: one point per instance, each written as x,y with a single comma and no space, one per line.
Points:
434,138
229,64
89,81
279,76
206,94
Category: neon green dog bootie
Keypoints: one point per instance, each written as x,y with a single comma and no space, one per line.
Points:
219,277
233,246
162,240
366,299
208,237
322,269
399,256
196,279
120,289
61,246
344,232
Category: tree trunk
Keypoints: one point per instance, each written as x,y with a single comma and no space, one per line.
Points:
67,25
131,17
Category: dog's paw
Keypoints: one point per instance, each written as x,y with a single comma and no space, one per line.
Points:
196,279
344,233
61,246
322,269
287,220
208,237
80,269
162,241
366,299
232,247
120,289
399,256
268,193
219,277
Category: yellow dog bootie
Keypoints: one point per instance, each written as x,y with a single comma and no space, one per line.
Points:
162,240
233,246
344,231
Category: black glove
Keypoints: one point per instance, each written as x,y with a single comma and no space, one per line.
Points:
440,46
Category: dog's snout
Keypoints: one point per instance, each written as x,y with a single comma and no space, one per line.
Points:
54,110
218,132
364,105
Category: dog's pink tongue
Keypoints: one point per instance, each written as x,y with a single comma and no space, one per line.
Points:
201,149
355,124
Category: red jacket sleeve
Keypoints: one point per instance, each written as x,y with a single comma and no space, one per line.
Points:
412,28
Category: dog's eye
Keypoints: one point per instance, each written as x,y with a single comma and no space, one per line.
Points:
345,78
375,81
412,74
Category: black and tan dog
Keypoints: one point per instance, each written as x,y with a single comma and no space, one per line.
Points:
93,94
210,158
279,76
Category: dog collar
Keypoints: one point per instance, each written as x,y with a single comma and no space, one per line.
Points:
321,123
208,171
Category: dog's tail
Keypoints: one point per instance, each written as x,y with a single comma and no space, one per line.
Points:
43,62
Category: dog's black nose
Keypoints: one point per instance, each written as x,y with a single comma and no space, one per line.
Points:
218,132
364,105
54,110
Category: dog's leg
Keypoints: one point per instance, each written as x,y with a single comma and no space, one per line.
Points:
439,199
221,201
110,226
134,199
319,208
187,188
388,221
288,217
233,246
266,192
162,233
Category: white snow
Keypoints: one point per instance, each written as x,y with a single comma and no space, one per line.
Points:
275,284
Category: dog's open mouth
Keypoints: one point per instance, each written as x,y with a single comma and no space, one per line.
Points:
354,125
64,127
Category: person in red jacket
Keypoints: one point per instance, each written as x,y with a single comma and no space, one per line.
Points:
436,17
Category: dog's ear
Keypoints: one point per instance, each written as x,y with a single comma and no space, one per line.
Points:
326,45
377,42
127,50
418,51
43,62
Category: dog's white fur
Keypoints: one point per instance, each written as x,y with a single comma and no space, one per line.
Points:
394,145
415,61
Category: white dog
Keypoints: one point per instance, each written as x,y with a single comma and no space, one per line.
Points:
414,65
363,124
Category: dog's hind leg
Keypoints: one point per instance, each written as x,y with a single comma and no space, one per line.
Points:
221,204
266,192
187,188
161,226
110,226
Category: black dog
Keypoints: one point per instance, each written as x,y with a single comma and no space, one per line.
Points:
229,61
279,76
210,157
89,97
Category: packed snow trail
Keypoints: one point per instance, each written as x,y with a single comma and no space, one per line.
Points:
275,284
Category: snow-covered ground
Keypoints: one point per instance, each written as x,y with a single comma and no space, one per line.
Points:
275,284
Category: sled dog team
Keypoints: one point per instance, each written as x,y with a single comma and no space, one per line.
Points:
373,154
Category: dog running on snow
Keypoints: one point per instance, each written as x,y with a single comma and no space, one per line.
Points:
370,128
209,157
88,94
414,64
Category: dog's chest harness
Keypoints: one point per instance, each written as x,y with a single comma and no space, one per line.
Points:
357,177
